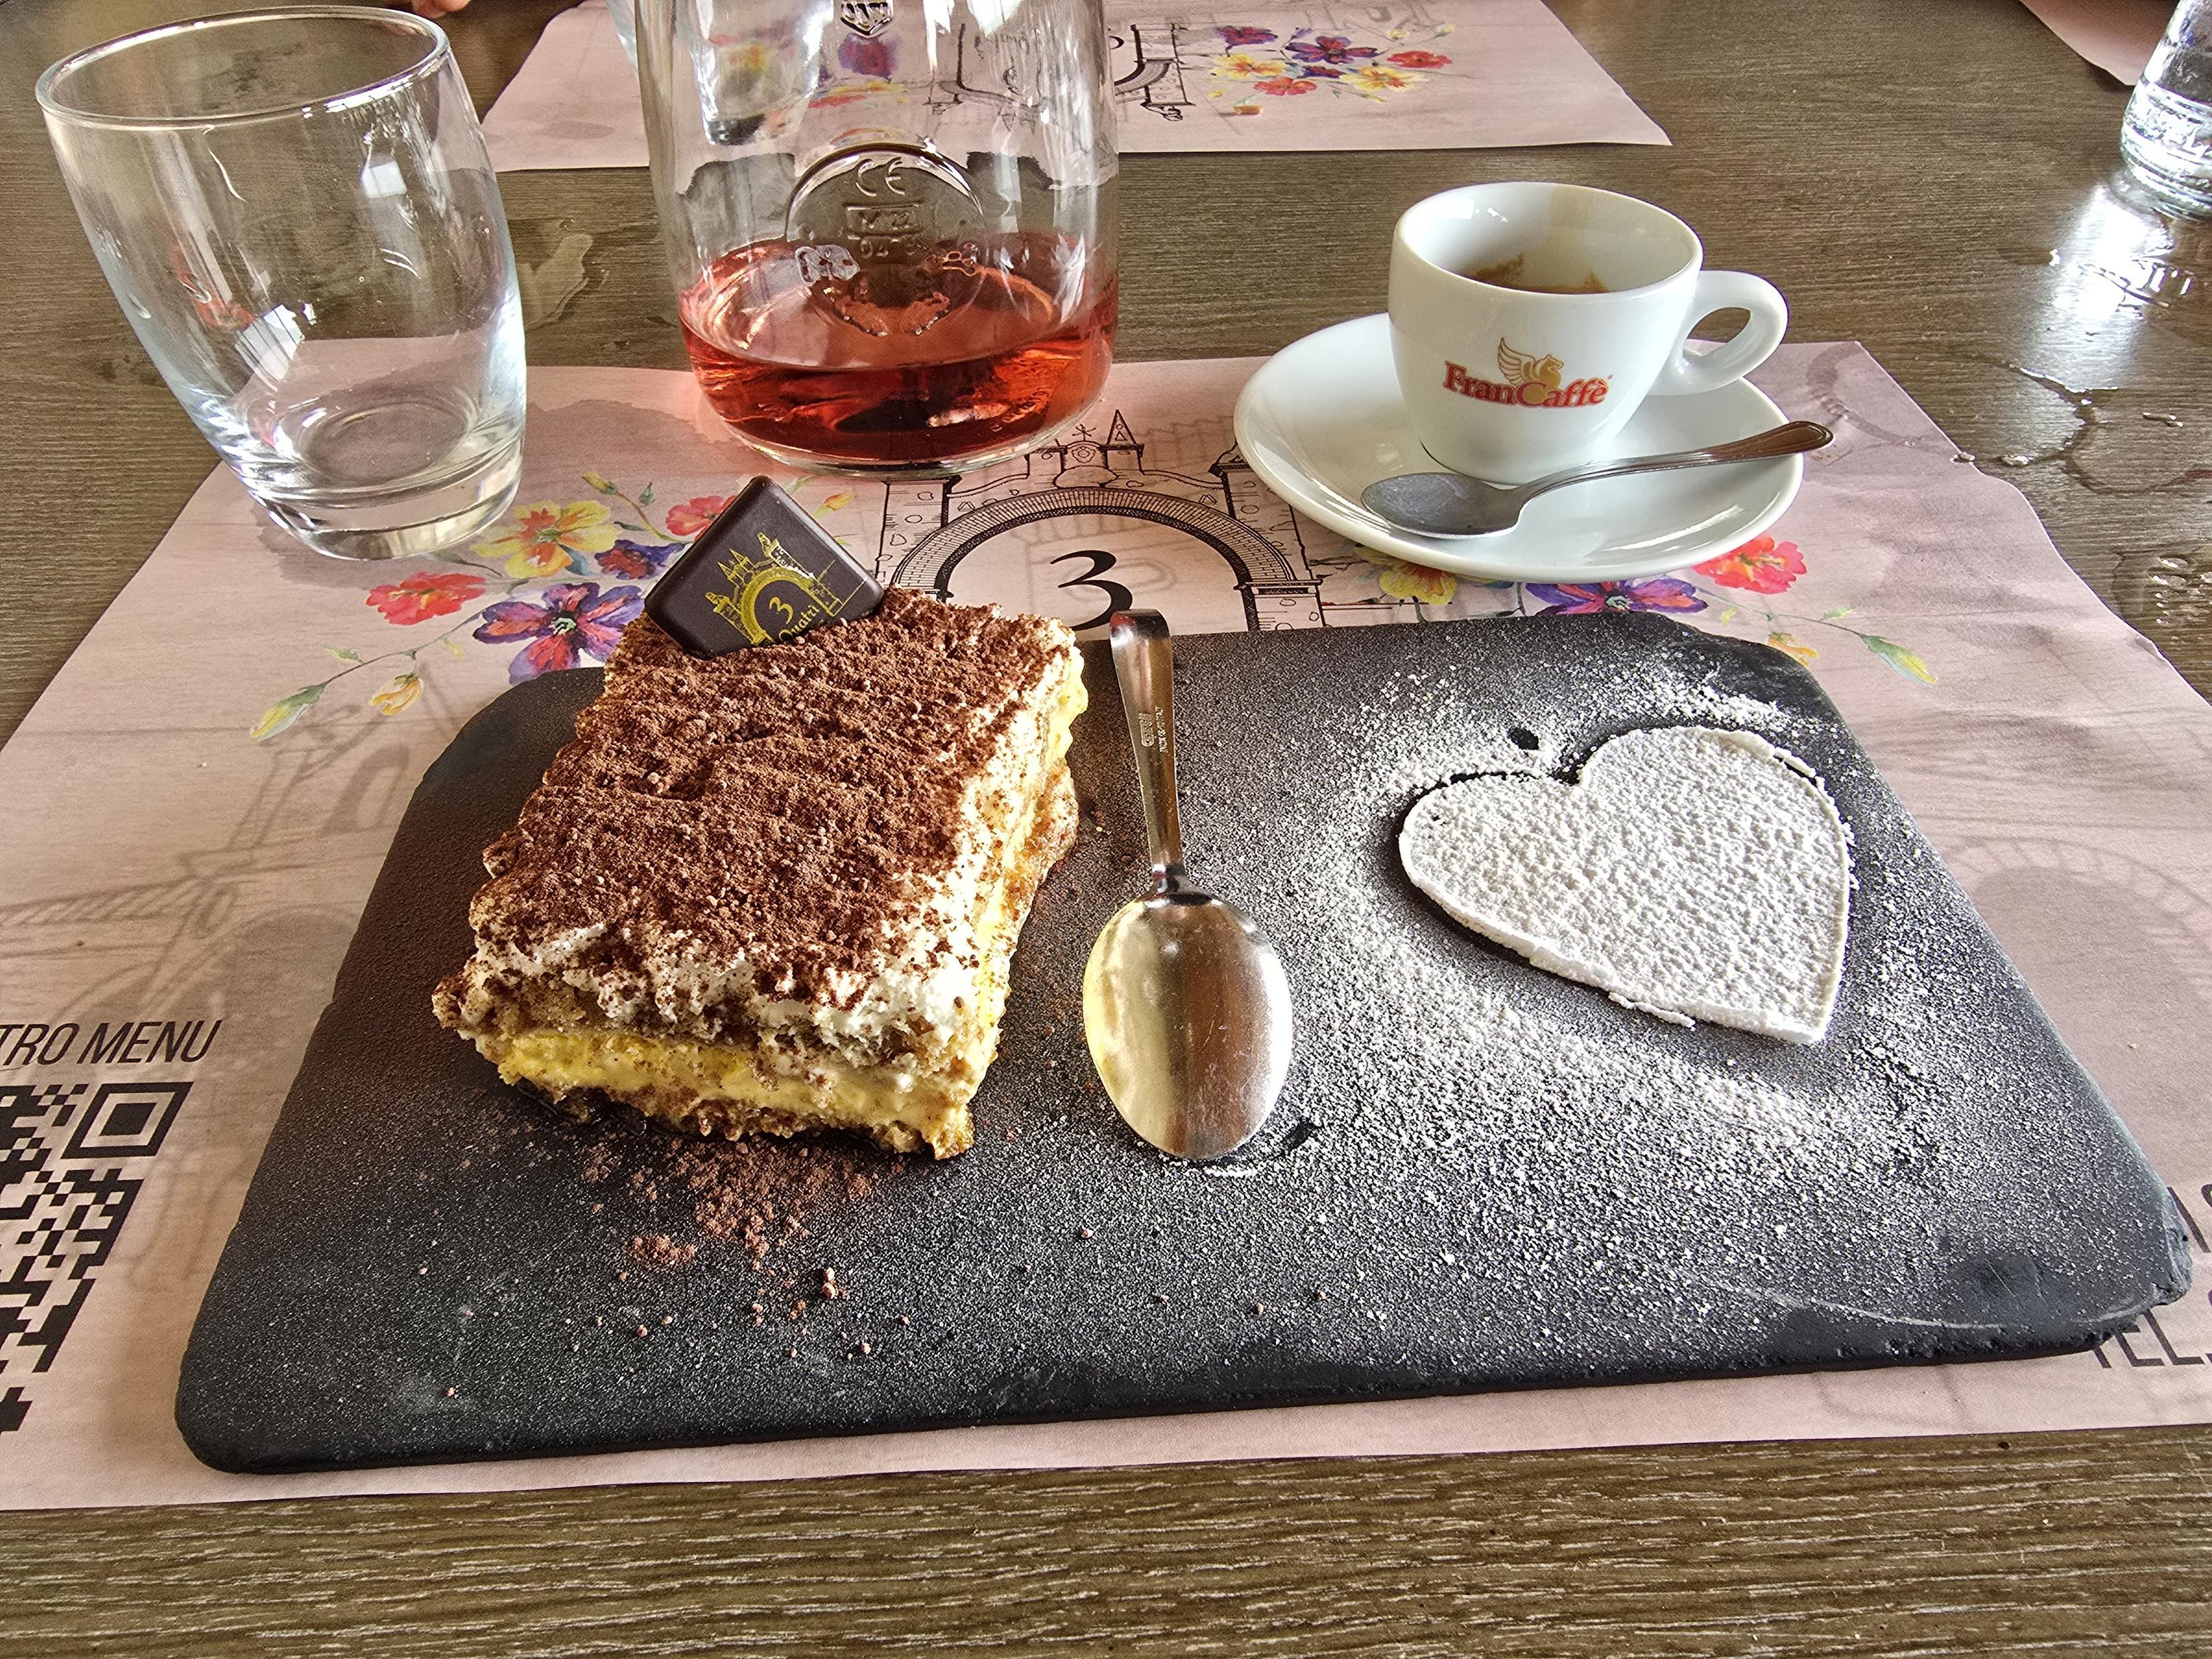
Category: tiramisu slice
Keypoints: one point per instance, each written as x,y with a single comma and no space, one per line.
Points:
778,890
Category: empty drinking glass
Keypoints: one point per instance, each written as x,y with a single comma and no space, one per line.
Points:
2166,134
296,211
624,12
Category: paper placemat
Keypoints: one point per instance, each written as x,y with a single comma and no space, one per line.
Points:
181,892
1397,74
2118,36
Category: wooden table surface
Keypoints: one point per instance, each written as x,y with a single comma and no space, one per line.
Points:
1932,177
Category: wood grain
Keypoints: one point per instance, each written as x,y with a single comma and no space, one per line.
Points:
1934,179
2058,1544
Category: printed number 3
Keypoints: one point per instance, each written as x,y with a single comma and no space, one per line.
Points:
1118,598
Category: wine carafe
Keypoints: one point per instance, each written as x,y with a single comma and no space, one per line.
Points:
890,222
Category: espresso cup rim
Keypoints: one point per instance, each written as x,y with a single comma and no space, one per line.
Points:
1694,262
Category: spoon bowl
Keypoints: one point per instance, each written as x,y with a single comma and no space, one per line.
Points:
1186,1007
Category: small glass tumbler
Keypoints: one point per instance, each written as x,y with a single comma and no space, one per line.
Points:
296,211
2166,134
624,12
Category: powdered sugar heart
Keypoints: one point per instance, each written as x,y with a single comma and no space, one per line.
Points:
1690,873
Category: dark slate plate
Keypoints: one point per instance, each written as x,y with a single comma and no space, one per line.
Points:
1479,1176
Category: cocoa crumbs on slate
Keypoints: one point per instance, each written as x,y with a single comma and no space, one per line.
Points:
759,1197
755,1194
659,1250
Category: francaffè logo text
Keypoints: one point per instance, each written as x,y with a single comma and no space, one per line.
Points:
1531,381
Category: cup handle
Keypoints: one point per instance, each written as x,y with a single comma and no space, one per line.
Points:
1723,290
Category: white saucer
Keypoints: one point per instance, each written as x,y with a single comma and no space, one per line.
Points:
1323,420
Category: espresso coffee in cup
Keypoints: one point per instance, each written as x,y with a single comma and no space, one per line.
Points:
1514,273
1527,321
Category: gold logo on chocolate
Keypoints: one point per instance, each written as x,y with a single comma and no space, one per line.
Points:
770,598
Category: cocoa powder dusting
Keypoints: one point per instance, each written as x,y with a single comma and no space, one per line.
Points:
659,1250
761,1201
780,806
756,1194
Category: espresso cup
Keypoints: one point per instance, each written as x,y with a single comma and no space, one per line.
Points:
1528,320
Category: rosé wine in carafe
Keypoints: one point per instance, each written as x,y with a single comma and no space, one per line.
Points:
890,224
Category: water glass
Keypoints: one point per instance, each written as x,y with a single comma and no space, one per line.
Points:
296,211
624,12
2166,134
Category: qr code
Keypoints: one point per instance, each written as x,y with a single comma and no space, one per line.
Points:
70,1162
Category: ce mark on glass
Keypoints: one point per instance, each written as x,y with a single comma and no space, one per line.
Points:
1118,598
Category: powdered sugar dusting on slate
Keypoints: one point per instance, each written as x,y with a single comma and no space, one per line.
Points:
1689,872
1519,1177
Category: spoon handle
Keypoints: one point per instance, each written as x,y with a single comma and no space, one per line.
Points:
1793,439
1143,664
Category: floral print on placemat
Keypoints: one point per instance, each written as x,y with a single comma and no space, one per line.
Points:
1738,588
1257,64
556,584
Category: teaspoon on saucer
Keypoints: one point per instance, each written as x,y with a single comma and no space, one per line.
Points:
1186,1007
1453,504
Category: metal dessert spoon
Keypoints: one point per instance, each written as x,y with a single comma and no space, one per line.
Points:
1453,504
1185,1004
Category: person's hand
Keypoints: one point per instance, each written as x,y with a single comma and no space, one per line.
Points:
436,8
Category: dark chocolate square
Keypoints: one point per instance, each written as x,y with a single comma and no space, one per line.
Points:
763,572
